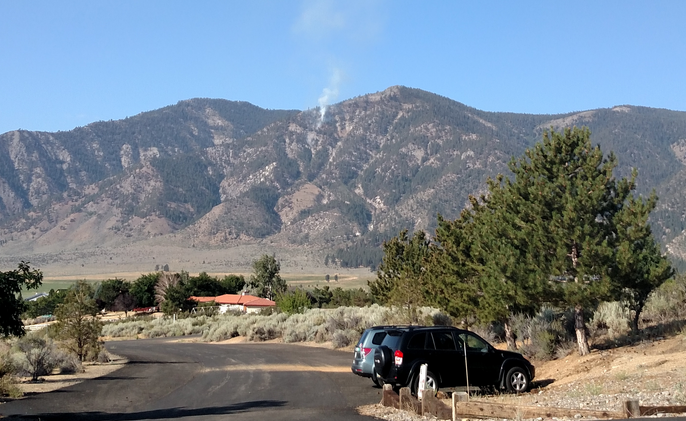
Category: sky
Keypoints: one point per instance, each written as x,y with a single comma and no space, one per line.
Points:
69,63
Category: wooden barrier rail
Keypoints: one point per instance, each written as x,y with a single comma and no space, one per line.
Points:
498,410
479,409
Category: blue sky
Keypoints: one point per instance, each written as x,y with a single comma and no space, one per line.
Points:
69,63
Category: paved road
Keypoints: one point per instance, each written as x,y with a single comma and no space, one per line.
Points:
168,380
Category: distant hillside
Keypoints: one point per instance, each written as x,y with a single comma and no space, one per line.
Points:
215,173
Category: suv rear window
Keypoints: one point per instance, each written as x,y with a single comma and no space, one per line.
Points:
392,338
378,338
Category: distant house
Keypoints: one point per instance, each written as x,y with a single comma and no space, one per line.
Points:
244,303
35,297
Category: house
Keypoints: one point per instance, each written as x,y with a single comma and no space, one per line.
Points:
35,297
244,303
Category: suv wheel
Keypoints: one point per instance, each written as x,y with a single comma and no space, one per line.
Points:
517,381
376,379
431,383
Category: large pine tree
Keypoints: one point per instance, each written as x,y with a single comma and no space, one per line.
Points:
563,214
562,231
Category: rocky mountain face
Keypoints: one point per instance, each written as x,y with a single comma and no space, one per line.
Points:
206,173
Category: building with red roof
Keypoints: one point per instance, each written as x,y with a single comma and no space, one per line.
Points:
244,303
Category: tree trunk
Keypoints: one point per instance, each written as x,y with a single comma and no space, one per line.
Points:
580,327
638,308
510,337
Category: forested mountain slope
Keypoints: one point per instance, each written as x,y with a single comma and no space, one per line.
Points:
214,173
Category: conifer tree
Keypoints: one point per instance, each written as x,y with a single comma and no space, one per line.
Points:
640,265
450,279
565,204
402,267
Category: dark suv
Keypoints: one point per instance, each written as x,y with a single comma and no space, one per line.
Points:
452,355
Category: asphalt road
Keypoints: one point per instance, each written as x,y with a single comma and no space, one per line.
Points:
168,380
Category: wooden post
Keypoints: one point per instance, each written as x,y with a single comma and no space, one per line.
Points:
409,402
388,397
632,409
431,405
458,397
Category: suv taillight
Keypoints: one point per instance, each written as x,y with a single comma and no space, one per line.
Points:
365,352
398,357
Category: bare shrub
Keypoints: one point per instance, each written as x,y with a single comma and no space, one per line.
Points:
541,334
8,387
68,363
262,333
104,357
610,318
341,339
667,303
564,349
441,319
485,332
38,355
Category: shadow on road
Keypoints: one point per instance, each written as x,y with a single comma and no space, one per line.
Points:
168,413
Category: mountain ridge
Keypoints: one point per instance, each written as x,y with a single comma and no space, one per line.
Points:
217,173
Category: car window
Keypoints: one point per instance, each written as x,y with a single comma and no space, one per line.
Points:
474,344
417,341
444,341
378,338
392,338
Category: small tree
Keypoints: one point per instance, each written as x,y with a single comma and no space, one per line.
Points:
402,266
292,302
124,302
176,299
109,291
11,302
143,289
266,280
77,324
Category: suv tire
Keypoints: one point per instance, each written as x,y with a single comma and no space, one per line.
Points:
517,381
382,360
376,379
431,382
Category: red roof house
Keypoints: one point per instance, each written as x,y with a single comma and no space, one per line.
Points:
244,302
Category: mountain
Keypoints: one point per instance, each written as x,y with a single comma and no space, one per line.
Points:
215,173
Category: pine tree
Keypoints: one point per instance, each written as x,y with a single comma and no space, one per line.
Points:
450,279
564,206
640,265
402,267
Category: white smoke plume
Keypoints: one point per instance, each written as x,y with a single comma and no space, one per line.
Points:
329,95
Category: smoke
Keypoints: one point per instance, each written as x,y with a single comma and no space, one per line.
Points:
329,95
